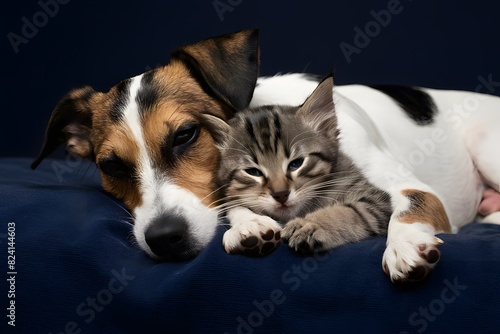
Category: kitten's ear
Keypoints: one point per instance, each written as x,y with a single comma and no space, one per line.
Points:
318,111
218,128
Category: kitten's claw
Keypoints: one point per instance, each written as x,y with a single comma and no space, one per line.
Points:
252,235
304,236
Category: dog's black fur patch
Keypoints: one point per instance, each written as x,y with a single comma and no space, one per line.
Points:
148,94
116,112
231,73
417,104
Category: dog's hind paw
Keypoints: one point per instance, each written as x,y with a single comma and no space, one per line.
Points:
251,234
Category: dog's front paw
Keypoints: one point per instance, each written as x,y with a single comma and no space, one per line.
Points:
305,236
410,254
252,235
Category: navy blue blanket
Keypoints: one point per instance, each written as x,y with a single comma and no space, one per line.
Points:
77,270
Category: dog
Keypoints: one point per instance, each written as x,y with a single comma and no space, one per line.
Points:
154,141
151,143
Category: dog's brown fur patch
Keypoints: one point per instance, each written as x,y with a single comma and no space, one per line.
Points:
197,172
183,99
425,208
120,143
180,99
216,76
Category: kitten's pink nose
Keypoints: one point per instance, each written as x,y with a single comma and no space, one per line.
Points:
281,196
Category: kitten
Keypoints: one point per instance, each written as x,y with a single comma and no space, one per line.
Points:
284,162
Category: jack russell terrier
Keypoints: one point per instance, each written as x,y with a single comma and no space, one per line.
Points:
151,137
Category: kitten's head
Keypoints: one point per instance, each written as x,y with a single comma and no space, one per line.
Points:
275,160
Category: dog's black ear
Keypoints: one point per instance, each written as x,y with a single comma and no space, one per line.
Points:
70,122
226,66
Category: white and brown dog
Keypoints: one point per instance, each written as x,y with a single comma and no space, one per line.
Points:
154,144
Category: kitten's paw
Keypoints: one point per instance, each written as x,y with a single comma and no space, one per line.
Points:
410,254
305,236
252,235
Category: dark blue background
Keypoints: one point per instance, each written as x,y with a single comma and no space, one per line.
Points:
442,44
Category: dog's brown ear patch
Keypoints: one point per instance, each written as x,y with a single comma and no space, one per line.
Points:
226,66
70,122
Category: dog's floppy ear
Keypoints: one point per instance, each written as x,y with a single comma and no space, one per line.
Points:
225,66
70,122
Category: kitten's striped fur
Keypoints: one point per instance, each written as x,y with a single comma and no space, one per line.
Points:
284,162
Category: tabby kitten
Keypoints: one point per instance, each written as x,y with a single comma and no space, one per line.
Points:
285,163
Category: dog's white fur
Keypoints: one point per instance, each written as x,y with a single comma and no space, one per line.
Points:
455,151
446,158
159,194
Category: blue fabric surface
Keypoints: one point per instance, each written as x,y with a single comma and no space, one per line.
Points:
78,271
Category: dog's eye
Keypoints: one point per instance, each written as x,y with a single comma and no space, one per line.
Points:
295,164
115,167
184,137
253,172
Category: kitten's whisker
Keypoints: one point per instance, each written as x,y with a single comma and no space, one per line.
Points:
332,184
233,204
236,140
332,193
292,142
234,149
213,192
225,210
301,139
227,207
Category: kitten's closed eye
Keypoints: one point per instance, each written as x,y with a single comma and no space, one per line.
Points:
295,164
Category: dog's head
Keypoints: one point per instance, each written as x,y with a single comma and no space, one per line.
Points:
150,140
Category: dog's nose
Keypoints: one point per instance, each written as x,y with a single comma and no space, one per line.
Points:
167,238
281,196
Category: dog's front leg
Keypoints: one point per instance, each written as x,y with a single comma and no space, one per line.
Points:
250,234
411,250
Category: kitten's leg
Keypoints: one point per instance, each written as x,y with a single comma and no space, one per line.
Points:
250,233
411,250
336,225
